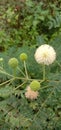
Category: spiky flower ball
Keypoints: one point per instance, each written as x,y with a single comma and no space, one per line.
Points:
35,85
23,56
30,94
13,62
45,54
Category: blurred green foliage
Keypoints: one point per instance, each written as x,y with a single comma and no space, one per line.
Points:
23,21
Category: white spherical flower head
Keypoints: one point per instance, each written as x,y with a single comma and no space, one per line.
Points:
30,94
45,54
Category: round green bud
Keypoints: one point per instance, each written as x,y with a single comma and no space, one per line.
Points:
13,62
23,56
35,85
1,59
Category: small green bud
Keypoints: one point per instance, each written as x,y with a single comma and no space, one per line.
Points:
35,85
13,62
1,59
23,56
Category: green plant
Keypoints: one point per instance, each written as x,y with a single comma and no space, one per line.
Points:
26,21
24,26
17,112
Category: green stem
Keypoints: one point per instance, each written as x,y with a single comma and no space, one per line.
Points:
22,78
25,70
14,71
19,86
44,73
6,82
21,71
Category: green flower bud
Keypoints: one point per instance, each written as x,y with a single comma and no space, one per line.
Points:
1,59
35,85
13,62
23,56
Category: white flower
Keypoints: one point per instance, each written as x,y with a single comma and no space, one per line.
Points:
45,54
30,94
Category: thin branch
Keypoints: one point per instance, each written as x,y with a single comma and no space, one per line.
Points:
6,82
21,71
19,86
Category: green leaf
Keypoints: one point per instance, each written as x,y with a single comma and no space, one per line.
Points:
6,91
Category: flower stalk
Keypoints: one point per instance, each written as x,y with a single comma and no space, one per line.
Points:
25,70
44,72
